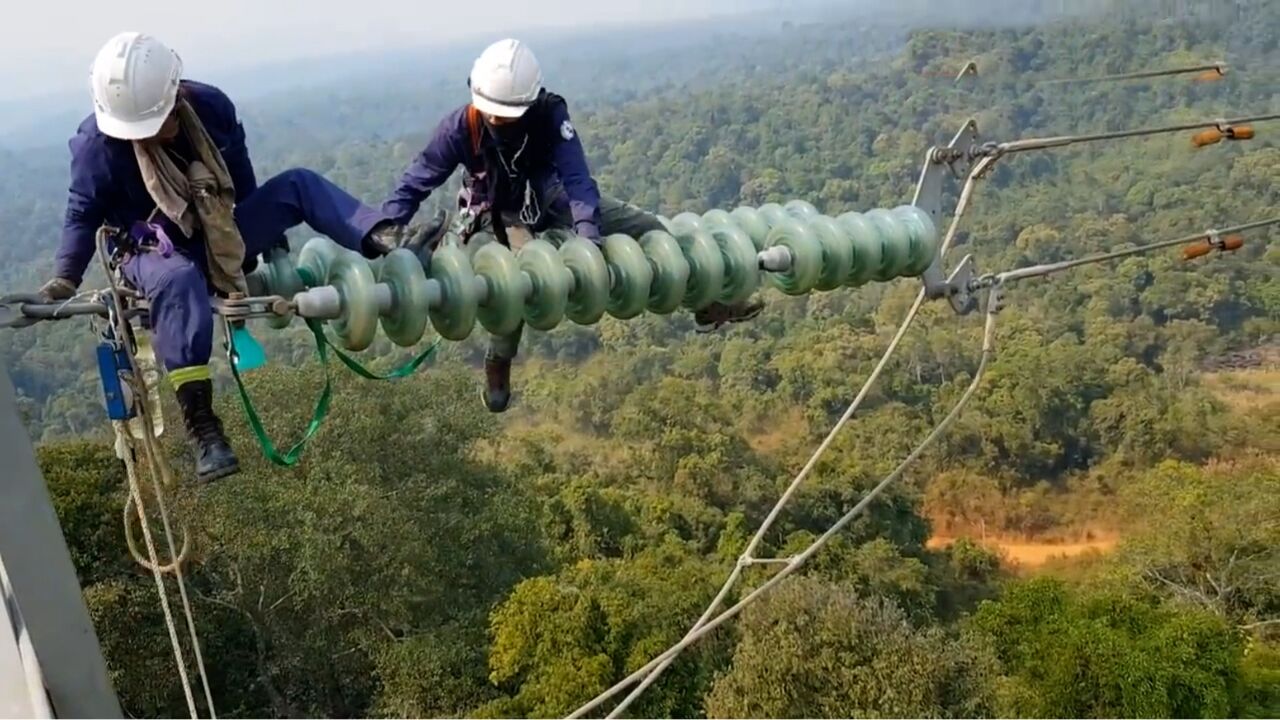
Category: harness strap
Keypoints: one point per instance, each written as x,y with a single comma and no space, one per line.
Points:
475,125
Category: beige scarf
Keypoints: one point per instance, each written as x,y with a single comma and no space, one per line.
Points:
207,186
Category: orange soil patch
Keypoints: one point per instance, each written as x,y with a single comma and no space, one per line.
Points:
1033,554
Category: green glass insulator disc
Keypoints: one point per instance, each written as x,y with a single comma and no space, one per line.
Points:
502,308
630,276
753,224
741,269
317,257
406,320
454,316
866,248
350,275
806,258
451,238
477,241
558,236
715,217
837,252
895,244
774,214
924,237
802,209
684,222
550,283
589,295
670,271
706,268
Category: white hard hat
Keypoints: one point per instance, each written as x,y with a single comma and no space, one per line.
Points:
135,85
505,79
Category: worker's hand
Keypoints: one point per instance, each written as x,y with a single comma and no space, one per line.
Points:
589,231
57,290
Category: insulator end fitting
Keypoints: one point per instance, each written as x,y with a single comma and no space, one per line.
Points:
1225,243
1212,136
1198,249
1243,132
1216,135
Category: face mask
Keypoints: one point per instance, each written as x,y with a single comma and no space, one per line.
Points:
511,133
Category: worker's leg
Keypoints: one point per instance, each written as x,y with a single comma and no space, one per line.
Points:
304,196
181,315
497,369
627,219
505,347
616,216
502,348
621,217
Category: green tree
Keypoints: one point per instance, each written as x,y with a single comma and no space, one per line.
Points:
87,484
1107,655
559,640
811,649
1209,537
386,532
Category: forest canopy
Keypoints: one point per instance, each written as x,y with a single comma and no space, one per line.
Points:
428,559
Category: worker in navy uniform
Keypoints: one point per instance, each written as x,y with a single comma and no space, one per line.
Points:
525,172
163,161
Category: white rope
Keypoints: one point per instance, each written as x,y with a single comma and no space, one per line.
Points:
995,285
157,459
978,171
126,451
797,561
132,543
161,477
748,555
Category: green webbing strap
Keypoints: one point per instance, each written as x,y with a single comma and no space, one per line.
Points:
317,329
403,371
291,457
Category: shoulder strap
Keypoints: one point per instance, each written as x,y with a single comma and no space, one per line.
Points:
475,125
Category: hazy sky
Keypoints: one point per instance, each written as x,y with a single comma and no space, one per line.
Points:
49,44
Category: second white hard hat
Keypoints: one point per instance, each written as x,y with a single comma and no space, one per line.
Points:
135,85
505,79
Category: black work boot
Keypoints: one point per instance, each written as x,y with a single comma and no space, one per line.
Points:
497,372
214,457
382,239
714,315
387,236
428,236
